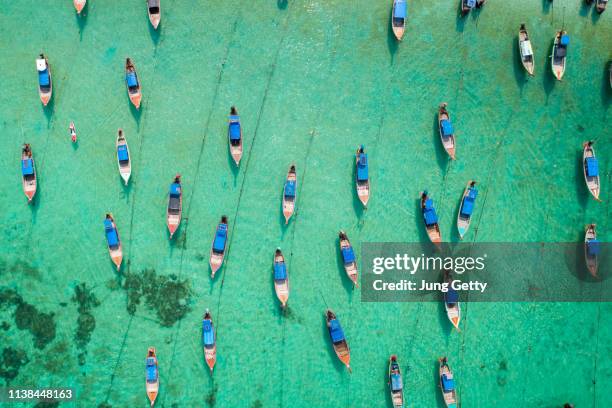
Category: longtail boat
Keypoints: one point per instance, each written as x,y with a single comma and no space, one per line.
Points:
217,252
559,55
112,240
234,135
398,18
591,249
466,6
446,130
338,340
525,49
209,340
151,375
362,178
451,301
28,172
396,385
123,157
447,384
132,83
73,134
45,83
590,167
175,205
79,5
154,11
430,218
290,193
466,208
348,257
281,277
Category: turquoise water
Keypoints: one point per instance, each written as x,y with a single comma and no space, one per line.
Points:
311,80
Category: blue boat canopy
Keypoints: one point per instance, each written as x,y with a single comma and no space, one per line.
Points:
290,189
111,234
175,189
280,271
335,331
472,193
27,167
429,213
208,335
43,78
396,382
122,153
447,127
593,247
592,167
220,238
151,370
362,167
564,39
471,3
131,79
234,130
451,297
448,384
400,9
348,255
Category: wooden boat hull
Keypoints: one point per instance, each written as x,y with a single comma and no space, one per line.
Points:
216,260
152,387
593,183
399,32
289,202
450,398
433,232
45,95
210,355
154,18
463,223
236,152
135,93
363,187
351,268
592,262
397,397
29,184
125,169
454,314
116,254
448,142
529,65
557,67
217,255
281,287
173,221
79,5
341,348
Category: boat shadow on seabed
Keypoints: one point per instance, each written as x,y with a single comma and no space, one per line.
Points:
441,155
520,75
82,21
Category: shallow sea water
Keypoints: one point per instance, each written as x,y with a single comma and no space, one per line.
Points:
311,80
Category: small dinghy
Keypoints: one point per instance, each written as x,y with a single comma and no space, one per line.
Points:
290,193
234,134
152,375
396,385
123,157
559,55
113,241
430,218
338,340
154,10
362,180
600,6
466,208
590,167
73,134
175,205
451,301
45,84
79,5
28,172
447,384
466,6
348,258
526,50
398,18
591,249
209,340
446,130
132,83
217,252
281,278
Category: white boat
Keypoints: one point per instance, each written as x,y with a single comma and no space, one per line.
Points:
590,168
28,172
123,157
45,83
290,193
451,302
447,133
466,208
154,11
559,55
281,277
362,176
526,50
398,18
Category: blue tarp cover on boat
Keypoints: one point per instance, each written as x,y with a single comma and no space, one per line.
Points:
593,247
400,9
452,296
290,189
234,130
111,233
362,167
175,189
220,237
280,271
447,128
43,78
471,3
592,167
429,213
447,383
27,167
335,331
564,39
122,153
468,207
131,79
151,369
396,382
348,255
208,335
